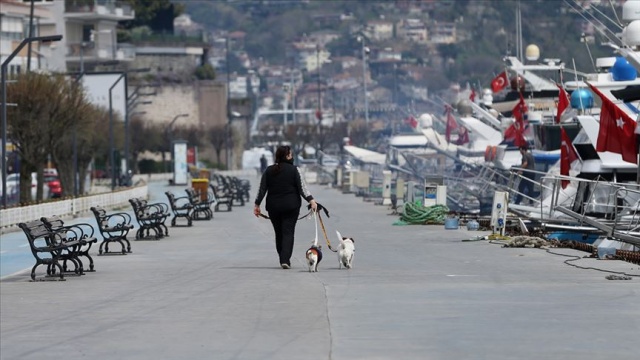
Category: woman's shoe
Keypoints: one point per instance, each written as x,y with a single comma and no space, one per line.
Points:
285,266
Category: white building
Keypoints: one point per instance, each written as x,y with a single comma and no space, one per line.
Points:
14,27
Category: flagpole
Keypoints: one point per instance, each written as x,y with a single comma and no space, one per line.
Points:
579,87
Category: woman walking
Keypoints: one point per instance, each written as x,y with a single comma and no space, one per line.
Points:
284,186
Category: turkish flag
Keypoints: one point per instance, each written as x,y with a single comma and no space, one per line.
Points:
515,133
567,156
617,130
520,109
563,103
499,82
412,122
463,136
451,125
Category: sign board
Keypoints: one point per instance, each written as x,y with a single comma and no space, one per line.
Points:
180,168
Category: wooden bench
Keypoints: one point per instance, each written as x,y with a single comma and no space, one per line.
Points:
52,249
221,198
150,217
113,227
201,208
181,207
79,231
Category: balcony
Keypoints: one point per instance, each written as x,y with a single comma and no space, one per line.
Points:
98,10
93,53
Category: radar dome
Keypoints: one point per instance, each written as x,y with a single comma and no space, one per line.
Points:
581,99
623,71
631,34
631,11
532,53
517,83
426,121
464,107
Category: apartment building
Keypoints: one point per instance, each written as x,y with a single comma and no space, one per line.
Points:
14,27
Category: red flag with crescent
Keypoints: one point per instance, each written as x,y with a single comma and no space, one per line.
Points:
567,156
452,124
499,82
563,103
617,130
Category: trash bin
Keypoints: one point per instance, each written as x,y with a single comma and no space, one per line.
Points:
202,187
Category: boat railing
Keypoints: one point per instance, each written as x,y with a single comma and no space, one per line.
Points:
612,208
515,178
627,215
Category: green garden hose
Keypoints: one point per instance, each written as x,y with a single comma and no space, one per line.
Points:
418,214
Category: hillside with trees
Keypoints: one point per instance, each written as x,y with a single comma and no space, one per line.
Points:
486,30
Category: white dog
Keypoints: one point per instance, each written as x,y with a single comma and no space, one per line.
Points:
346,249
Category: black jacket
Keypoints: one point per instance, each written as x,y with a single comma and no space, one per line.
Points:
283,186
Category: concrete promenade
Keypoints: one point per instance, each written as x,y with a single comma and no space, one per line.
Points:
216,291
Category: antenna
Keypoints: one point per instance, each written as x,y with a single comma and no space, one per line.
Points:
581,10
615,13
583,38
579,87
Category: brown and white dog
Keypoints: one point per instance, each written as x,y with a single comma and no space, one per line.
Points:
346,250
314,256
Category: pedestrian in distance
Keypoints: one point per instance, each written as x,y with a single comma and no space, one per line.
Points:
283,185
526,182
263,163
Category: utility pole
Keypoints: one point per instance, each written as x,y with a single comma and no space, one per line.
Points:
228,125
364,79
30,35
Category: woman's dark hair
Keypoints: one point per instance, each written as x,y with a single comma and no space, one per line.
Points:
281,155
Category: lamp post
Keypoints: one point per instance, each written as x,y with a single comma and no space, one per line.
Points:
112,159
365,51
3,78
232,115
168,129
130,106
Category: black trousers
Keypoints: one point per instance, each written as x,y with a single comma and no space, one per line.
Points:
525,187
284,226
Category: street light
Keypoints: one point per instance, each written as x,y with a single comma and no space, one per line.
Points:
3,76
365,51
232,115
170,139
112,159
132,105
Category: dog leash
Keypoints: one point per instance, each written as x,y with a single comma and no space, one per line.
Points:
315,220
324,231
262,215
319,207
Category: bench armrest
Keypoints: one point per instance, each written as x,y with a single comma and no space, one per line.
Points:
120,218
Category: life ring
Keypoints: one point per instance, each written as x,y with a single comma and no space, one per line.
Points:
490,153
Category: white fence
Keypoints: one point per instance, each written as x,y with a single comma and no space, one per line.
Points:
16,215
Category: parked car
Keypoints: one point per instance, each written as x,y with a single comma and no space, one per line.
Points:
13,180
52,180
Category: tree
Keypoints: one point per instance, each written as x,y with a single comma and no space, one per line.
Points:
144,137
205,72
217,136
45,111
156,14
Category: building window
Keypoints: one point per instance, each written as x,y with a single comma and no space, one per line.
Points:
14,69
87,33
